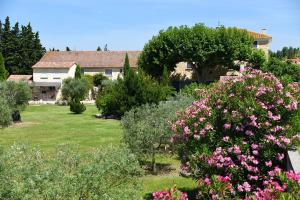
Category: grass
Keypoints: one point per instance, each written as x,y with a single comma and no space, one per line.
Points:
48,126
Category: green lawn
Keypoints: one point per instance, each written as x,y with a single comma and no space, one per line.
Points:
48,126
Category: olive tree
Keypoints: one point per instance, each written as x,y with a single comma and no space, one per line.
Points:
17,96
74,91
146,129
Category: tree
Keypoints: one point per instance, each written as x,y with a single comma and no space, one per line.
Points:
68,49
165,77
98,78
105,48
74,91
3,71
99,48
126,67
5,113
17,96
21,49
78,72
205,47
146,129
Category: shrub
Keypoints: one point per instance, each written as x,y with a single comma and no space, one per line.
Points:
78,72
131,91
77,107
5,113
17,96
146,129
193,90
284,70
239,132
110,173
98,79
74,91
172,194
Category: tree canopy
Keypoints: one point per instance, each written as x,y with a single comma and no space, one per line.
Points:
286,52
3,71
199,45
21,48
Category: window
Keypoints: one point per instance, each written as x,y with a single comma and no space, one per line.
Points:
51,88
255,44
189,66
108,72
121,70
56,77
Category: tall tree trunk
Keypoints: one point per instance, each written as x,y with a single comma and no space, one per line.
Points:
153,163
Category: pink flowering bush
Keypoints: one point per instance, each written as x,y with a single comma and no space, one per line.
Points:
172,194
238,134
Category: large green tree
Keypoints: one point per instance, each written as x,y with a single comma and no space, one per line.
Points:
3,71
199,45
21,48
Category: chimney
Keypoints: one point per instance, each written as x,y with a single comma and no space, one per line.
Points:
264,31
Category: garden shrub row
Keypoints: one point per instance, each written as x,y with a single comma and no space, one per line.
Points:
110,173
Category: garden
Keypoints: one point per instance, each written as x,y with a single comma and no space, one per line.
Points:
223,140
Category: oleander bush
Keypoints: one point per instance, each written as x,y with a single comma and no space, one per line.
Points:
236,137
110,173
146,129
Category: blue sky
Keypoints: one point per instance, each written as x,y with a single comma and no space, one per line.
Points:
129,24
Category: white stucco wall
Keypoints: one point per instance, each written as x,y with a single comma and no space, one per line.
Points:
92,71
53,75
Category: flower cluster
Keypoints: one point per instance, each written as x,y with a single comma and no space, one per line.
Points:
172,194
240,130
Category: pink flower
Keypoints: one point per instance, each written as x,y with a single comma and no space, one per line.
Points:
227,126
240,188
268,164
225,139
247,187
186,130
280,156
207,181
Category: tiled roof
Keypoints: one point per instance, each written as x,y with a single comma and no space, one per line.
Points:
42,64
20,78
88,59
259,35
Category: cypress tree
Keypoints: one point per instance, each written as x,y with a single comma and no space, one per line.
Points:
105,48
78,72
3,71
99,48
165,76
126,67
68,49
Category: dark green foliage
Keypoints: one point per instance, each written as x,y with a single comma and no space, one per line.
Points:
258,59
165,77
98,79
284,70
5,113
17,96
3,71
286,52
107,173
99,48
21,49
203,46
68,49
77,107
126,67
78,72
74,91
133,90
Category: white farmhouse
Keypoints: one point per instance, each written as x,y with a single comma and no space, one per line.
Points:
55,66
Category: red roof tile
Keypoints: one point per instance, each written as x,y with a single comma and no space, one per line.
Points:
87,59
18,78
